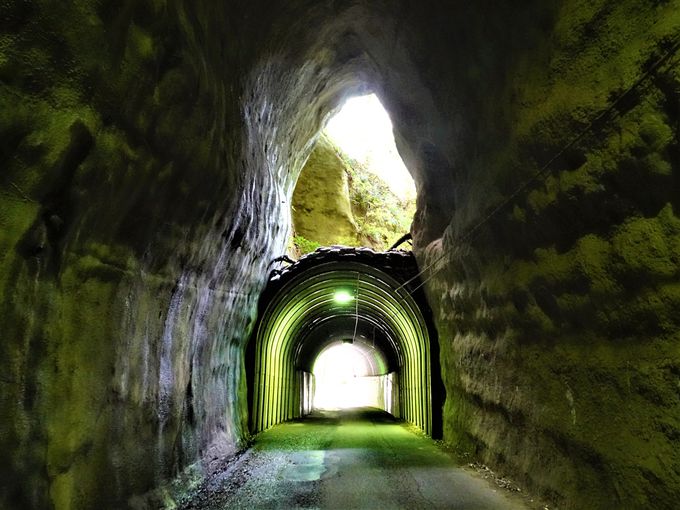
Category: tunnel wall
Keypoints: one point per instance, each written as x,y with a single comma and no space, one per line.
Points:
307,388
149,150
143,193
558,316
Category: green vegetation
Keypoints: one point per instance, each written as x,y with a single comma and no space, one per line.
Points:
303,245
381,216
338,200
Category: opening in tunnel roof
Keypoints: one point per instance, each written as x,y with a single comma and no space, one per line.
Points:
362,129
354,189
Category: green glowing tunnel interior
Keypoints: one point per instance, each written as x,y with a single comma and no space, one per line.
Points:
328,303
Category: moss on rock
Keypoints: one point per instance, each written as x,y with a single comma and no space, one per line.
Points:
148,150
322,212
338,201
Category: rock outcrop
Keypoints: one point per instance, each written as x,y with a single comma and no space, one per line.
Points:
322,211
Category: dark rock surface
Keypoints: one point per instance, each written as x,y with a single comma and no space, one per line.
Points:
149,150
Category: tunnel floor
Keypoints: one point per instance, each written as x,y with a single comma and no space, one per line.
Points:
360,458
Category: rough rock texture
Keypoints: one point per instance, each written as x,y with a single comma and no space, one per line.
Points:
149,150
136,224
340,201
321,208
558,315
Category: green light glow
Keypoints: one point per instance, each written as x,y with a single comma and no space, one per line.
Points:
342,296
324,291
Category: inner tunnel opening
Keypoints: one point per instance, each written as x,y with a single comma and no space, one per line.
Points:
350,374
354,189
340,328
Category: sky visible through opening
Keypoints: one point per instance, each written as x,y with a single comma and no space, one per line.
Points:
363,130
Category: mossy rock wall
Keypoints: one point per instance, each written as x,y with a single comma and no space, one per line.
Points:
321,206
138,213
557,316
149,151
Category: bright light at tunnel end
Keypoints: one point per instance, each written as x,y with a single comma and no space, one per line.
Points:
343,379
342,296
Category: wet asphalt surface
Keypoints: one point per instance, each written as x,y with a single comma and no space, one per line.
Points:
353,459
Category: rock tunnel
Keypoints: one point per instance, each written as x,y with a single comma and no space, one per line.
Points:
149,153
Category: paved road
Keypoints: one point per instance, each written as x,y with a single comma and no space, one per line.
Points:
359,459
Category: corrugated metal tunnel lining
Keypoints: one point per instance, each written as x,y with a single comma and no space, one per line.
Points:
301,315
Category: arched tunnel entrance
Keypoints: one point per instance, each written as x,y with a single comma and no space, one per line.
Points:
344,295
